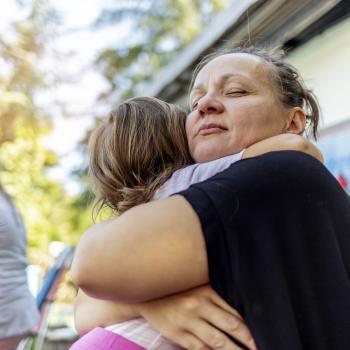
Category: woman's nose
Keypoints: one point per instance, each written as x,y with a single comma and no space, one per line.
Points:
209,105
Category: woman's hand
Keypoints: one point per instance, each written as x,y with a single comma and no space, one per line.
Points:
197,319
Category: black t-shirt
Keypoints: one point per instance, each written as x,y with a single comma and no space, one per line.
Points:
277,232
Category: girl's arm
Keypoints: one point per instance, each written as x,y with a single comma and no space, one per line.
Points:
283,142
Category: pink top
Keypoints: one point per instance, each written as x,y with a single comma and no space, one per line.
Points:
143,334
103,339
185,177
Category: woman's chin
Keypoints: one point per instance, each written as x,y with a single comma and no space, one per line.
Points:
207,154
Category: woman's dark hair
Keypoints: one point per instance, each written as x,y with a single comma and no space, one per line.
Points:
286,80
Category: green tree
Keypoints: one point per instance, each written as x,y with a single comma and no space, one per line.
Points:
159,30
22,47
49,212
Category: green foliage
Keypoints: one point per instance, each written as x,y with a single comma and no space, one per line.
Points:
160,29
48,211
50,214
21,49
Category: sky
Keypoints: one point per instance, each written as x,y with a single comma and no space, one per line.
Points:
75,39
77,45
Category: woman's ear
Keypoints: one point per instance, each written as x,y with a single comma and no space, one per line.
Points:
296,121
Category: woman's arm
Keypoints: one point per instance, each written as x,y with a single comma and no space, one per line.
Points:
283,142
190,319
90,312
150,251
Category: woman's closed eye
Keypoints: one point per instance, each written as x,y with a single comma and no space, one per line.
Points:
236,93
194,105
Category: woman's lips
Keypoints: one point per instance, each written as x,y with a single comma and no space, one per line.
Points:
210,129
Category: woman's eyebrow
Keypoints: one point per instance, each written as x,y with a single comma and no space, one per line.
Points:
199,87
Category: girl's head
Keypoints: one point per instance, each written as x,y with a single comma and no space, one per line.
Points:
135,150
247,94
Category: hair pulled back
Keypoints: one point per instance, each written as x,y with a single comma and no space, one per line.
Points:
135,150
286,80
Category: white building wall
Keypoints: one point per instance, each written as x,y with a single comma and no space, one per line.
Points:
324,62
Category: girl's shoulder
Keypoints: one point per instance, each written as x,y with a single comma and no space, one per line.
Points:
183,178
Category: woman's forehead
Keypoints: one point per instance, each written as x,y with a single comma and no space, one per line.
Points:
247,66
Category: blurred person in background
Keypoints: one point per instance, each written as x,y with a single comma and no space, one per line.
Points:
18,311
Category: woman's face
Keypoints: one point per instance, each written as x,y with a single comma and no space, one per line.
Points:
233,106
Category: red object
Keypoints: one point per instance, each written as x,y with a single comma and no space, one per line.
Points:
343,182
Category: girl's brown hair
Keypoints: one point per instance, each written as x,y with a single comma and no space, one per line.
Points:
135,150
287,82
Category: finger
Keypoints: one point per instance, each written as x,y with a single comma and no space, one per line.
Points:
189,341
216,299
212,337
228,323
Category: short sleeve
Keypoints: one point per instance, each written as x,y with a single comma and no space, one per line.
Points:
277,233
214,216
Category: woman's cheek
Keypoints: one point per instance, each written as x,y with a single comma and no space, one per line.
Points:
189,125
